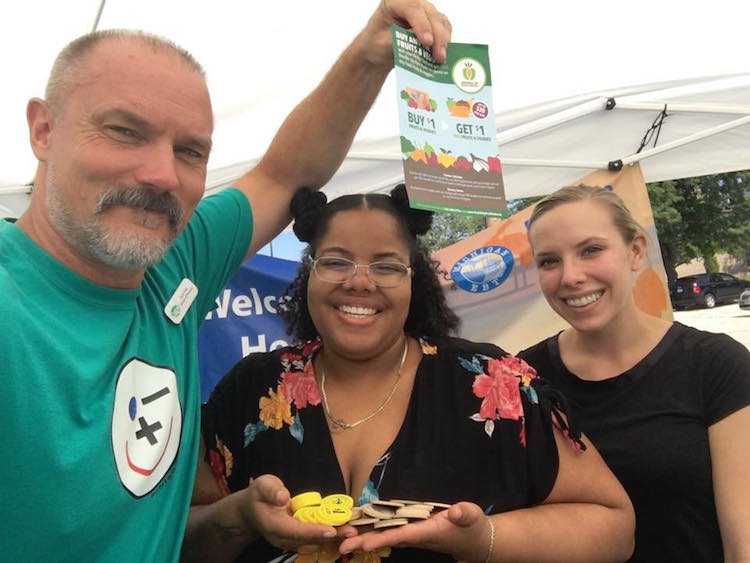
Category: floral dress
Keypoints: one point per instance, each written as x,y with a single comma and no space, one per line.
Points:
478,428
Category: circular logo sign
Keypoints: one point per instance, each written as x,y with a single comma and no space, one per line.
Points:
480,110
146,425
469,75
483,269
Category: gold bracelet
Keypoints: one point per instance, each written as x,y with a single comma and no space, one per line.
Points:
492,540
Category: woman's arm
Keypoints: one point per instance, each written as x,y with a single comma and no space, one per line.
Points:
220,527
586,517
729,440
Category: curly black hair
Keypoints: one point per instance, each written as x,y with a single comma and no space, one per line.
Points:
429,313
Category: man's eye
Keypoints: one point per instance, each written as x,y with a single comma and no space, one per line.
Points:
189,152
123,131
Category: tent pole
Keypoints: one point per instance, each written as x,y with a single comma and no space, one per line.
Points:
676,107
687,140
550,121
98,15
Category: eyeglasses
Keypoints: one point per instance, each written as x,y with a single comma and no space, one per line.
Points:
341,270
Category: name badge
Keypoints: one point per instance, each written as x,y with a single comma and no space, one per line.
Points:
180,301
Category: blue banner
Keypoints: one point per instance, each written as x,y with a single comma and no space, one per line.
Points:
245,319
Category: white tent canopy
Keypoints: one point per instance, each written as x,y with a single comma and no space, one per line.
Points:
704,128
261,58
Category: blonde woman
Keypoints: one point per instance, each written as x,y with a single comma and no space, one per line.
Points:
667,406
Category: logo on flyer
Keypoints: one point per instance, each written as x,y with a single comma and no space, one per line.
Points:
146,425
483,269
469,75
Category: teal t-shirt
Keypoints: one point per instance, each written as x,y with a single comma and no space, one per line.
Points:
99,407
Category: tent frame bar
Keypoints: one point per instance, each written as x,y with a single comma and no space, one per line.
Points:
591,107
739,122
685,108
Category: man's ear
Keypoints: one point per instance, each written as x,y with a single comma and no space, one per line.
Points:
39,118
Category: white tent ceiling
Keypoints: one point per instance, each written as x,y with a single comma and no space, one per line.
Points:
261,58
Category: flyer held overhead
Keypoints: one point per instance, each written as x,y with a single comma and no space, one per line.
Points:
447,128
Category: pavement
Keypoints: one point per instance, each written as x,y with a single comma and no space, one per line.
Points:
729,319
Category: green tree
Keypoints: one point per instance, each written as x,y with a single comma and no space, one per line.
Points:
699,217
449,228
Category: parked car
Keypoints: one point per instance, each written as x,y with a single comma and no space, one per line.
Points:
745,299
706,290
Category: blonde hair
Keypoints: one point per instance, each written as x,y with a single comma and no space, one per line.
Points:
65,72
621,215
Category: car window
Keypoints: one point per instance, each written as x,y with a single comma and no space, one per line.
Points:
728,278
714,278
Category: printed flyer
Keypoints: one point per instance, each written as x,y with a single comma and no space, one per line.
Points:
447,128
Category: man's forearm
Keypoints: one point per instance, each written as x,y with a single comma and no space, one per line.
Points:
215,532
320,130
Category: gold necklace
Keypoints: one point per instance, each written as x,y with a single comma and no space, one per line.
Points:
343,425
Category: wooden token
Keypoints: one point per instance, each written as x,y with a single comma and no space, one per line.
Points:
363,521
391,522
439,504
412,512
380,512
421,506
393,503
410,502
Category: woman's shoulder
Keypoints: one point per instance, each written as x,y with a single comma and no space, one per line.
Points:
454,346
541,349
260,368
698,348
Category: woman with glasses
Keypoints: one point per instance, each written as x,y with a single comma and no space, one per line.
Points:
379,402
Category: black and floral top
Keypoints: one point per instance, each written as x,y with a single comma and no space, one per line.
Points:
478,428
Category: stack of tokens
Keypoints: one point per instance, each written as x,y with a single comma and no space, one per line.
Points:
339,509
386,513
334,510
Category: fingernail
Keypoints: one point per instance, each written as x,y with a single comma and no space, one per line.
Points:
329,534
443,53
428,38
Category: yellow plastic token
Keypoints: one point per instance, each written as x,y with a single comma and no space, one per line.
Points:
344,501
307,514
332,515
305,499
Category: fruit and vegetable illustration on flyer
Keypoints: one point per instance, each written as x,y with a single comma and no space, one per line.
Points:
447,128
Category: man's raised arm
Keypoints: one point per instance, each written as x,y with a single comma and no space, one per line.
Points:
315,137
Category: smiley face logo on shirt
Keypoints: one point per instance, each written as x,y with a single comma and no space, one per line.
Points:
146,425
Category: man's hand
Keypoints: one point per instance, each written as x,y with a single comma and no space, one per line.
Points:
432,28
319,132
461,531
